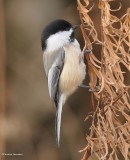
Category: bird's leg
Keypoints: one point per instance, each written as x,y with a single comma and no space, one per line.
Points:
90,89
84,86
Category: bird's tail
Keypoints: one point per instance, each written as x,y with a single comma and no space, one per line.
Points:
58,119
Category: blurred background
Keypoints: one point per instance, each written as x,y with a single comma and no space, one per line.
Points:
27,116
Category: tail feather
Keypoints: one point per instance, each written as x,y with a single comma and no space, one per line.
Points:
58,119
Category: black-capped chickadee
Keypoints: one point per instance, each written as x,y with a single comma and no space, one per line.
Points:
63,63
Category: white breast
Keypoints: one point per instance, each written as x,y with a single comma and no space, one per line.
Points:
74,69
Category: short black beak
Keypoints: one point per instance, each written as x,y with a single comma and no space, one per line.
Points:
76,26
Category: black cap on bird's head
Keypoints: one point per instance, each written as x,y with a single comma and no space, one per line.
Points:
58,26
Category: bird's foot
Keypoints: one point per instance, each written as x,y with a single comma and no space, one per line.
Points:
87,51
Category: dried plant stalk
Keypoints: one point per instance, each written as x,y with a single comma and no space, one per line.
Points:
109,136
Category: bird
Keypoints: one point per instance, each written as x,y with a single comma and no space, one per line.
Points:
63,63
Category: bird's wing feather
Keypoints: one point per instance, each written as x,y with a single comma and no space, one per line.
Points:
53,67
54,75
49,59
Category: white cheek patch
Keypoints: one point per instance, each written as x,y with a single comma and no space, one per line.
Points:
58,40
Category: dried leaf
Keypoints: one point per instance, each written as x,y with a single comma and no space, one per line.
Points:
109,135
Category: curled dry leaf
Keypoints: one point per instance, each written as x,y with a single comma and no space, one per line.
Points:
109,136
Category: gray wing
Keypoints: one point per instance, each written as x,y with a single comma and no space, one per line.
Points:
54,75
49,59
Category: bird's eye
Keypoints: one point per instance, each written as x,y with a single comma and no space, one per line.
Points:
72,37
